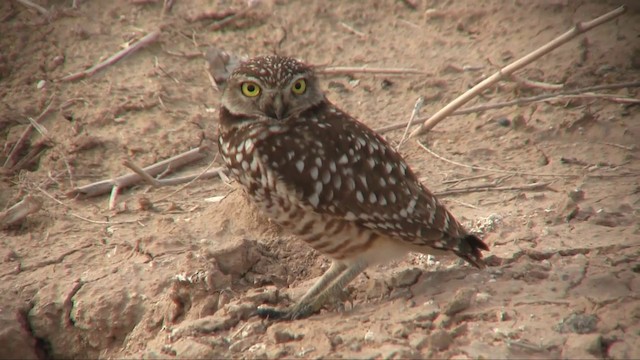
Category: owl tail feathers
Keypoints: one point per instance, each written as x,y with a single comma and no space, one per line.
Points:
469,250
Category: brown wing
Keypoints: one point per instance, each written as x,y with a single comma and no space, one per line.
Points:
341,167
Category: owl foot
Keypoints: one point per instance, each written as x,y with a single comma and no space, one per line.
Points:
293,313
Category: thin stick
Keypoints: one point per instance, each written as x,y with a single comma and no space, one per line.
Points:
578,29
352,30
619,146
228,20
214,172
207,174
414,113
115,190
16,147
143,174
348,70
34,6
148,39
28,205
536,84
520,101
610,97
489,169
459,180
491,187
104,186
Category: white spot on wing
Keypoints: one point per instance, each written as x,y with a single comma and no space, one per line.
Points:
314,173
314,200
300,165
363,180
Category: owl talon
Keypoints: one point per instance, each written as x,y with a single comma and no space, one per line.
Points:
272,313
289,314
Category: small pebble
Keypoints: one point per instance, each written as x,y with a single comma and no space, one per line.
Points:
504,122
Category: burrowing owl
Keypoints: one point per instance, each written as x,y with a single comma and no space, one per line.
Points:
328,178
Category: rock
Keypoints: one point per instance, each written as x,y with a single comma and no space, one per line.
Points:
440,340
400,331
369,336
255,328
242,345
266,295
396,351
406,277
189,349
418,341
460,302
242,311
234,256
110,307
576,195
221,320
15,341
624,350
479,350
578,323
429,311
281,333
443,322
377,289
583,347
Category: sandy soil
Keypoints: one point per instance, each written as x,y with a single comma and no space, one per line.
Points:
176,272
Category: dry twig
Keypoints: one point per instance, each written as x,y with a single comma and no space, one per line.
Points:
414,113
32,5
105,186
578,29
349,70
352,30
492,187
11,160
20,211
148,39
535,84
520,101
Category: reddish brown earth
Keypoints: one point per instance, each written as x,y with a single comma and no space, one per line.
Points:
170,273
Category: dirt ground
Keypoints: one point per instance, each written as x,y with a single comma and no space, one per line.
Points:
177,271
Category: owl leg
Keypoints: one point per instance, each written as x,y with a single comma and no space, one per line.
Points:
334,271
308,305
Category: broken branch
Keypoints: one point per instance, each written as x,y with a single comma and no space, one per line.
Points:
20,211
104,186
145,41
348,70
520,101
492,187
578,29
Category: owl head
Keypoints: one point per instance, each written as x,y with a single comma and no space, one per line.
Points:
272,86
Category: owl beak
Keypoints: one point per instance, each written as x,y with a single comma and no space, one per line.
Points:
277,109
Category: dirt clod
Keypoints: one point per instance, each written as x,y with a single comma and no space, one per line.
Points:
460,302
583,347
440,340
578,323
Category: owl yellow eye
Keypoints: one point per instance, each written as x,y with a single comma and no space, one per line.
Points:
299,87
250,89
